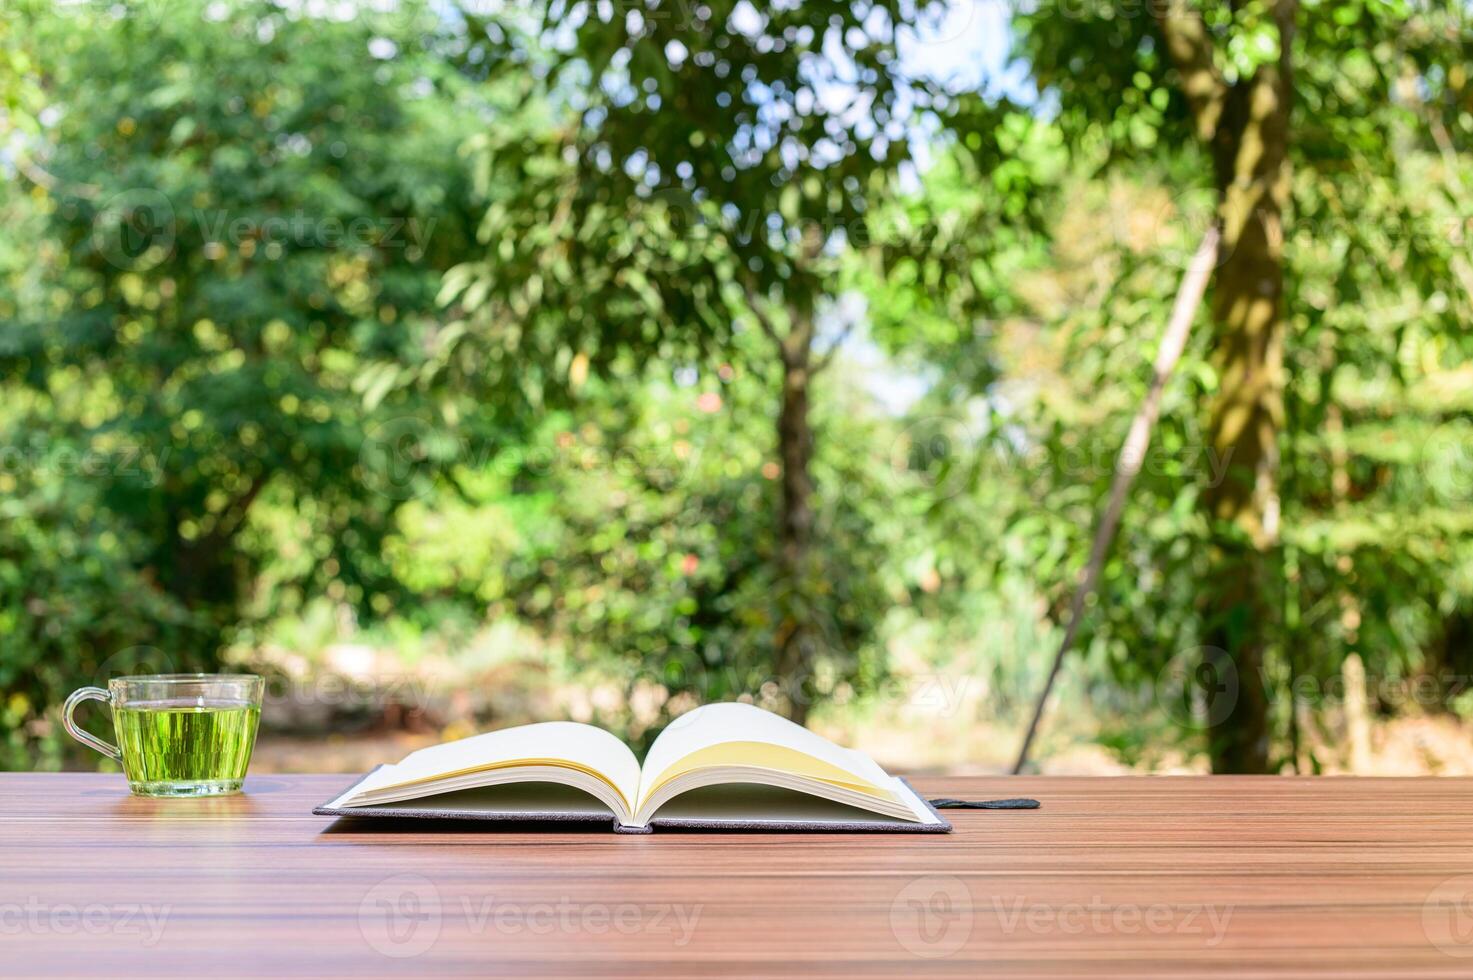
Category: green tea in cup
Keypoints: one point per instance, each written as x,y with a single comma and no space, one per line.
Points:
178,734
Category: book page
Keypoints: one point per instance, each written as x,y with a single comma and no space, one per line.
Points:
744,735
552,743
754,805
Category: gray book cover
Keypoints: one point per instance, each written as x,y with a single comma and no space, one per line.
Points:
736,808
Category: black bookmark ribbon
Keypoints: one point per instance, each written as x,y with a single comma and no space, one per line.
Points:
1015,804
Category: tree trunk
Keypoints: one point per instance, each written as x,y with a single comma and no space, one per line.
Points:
1447,664
1250,150
204,572
797,635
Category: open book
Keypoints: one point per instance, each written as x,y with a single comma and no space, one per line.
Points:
719,766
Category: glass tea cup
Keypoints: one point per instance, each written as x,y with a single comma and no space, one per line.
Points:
178,734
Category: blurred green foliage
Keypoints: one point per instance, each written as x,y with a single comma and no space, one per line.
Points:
435,321
1365,225
659,545
238,240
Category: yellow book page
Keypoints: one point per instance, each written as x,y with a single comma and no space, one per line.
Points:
553,743
513,764
764,755
732,733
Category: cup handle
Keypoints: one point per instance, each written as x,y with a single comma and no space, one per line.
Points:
77,732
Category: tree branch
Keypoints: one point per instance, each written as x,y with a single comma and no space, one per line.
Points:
237,509
1132,453
827,357
1189,46
47,181
762,319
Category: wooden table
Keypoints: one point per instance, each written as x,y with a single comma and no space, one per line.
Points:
1121,877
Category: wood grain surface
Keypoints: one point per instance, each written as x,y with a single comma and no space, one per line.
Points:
1128,877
